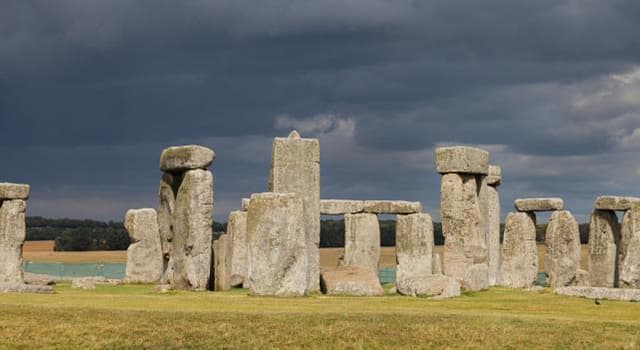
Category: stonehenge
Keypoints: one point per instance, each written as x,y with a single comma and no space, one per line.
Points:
144,255
519,267
237,230
604,236
362,241
491,198
464,213
563,249
185,216
221,263
13,204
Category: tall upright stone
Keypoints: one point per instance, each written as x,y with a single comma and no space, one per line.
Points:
362,241
630,249
12,235
237,230
167,192
563,249
414,246
144,255
604,235
519,268
222,257
295,168
493,180
277,245
193,220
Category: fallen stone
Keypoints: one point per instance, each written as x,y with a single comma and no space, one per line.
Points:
237,230
476,278
460,213
493,233
362,241
563,249
462,159
615,203
519,268
39,279
222,257
167,192
392,207
295,168
144,255
436,264
414,245
600,293
604,233
436,286
12,191
630,242
25,288
539,204
12,235
340,206
83,283
495,176
179,159
350,280
192,232
278,261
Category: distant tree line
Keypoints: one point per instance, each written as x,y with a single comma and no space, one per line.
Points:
81,235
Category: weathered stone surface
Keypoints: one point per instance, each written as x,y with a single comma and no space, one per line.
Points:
604,234
222,257
495,175
179,159
340,206
277,245
83,283
25,288
39,279
144,255
392,207
563,249
295,168
362,241
615,202
630,245
519,268
192,233
414,246
167,192
461,159
14,191
476,278
12,235
461,225
600,293
350,280
237,230
436,264
539,204
245,204
436,286
582,278
493,234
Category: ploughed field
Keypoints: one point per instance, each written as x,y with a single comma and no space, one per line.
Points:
42,251
137,317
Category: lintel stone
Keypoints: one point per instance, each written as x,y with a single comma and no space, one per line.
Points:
9,191
183,158
618,203
341,206
462,159
495,175
539,204
392,207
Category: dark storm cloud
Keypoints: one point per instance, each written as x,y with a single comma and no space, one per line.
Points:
91,91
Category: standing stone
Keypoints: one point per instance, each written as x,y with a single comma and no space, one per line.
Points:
460,212
277,245
144,255
414,246
237,230
168,189
222,257
493,233
563,249
630,245
192,231
604,234
436,264
519,268
12,235
295,168
476,277
362,241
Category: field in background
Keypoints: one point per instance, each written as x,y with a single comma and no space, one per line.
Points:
134,317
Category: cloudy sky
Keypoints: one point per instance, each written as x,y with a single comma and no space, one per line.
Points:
91,91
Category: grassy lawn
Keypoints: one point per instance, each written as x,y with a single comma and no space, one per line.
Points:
136,317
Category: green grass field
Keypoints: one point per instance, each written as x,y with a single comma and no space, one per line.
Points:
136,317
